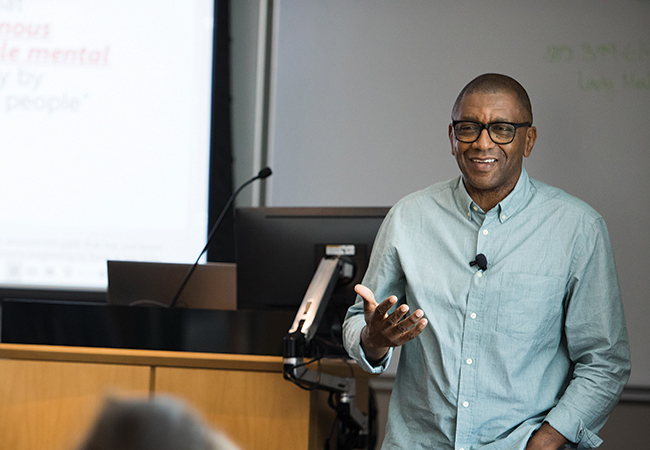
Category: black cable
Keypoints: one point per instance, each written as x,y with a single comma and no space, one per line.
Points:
148,303
334,422
298,382
264,173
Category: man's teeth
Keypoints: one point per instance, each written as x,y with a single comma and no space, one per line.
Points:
484,160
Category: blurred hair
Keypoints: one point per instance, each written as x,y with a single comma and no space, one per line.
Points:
160,423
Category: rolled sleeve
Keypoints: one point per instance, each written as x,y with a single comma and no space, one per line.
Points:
597,342
384,278
572,427
379,367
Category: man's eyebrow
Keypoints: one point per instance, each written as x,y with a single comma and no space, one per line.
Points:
475,119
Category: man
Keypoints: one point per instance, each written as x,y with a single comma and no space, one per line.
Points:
525,349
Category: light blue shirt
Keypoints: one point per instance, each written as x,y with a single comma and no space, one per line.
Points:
538,336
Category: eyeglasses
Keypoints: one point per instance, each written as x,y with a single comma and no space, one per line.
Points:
500,132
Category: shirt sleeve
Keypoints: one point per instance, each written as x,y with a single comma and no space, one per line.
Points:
353,325
385,278
597,341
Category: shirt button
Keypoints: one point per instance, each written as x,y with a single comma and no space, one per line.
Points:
465,404
479,274
503,217
475,208
473,315
469,361
485,232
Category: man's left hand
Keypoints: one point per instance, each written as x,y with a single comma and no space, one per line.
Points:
546,438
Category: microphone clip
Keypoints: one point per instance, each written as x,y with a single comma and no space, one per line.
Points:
481,261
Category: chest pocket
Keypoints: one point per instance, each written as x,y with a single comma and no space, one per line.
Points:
529,305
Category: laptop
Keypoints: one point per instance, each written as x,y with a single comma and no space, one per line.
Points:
133,283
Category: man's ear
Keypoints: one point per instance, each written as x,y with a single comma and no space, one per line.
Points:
531,137
451,138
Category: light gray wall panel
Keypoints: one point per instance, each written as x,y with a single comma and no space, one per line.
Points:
362,92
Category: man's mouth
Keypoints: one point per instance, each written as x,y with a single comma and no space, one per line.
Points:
483,161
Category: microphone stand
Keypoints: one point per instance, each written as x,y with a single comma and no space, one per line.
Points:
264,173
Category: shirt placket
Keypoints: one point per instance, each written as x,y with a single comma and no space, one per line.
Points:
466,409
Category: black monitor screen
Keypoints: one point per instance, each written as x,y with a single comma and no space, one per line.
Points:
278,250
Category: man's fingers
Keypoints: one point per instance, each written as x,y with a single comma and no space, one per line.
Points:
410,327
365,293
383,307
417,328
389,330
370,304
397,315
415,317
412,333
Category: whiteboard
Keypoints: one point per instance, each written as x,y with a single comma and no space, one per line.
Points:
361,97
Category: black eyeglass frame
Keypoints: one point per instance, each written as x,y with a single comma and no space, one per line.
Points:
486,126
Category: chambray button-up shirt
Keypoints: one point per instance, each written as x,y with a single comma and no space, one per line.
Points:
538,336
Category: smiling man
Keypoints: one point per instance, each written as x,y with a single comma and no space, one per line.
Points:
517,338
491,162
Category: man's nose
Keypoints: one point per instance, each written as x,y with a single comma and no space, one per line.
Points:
484,141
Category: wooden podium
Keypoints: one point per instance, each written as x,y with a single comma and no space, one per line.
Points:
49,395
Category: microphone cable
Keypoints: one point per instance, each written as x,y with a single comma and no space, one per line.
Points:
264,173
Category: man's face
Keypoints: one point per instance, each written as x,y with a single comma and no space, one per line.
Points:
491,170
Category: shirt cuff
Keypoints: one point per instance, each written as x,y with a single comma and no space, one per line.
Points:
379,366
571,427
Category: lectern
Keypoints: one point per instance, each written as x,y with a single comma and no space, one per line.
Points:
49,394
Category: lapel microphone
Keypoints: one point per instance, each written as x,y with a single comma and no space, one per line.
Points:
481,261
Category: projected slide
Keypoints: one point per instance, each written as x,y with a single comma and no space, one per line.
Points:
104,136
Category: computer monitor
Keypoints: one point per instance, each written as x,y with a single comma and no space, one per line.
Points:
278,251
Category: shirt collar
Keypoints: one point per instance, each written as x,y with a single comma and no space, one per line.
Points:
506,208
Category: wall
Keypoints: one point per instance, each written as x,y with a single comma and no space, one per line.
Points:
361,92
248,59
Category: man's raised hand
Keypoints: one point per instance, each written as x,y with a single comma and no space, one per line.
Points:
384,330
